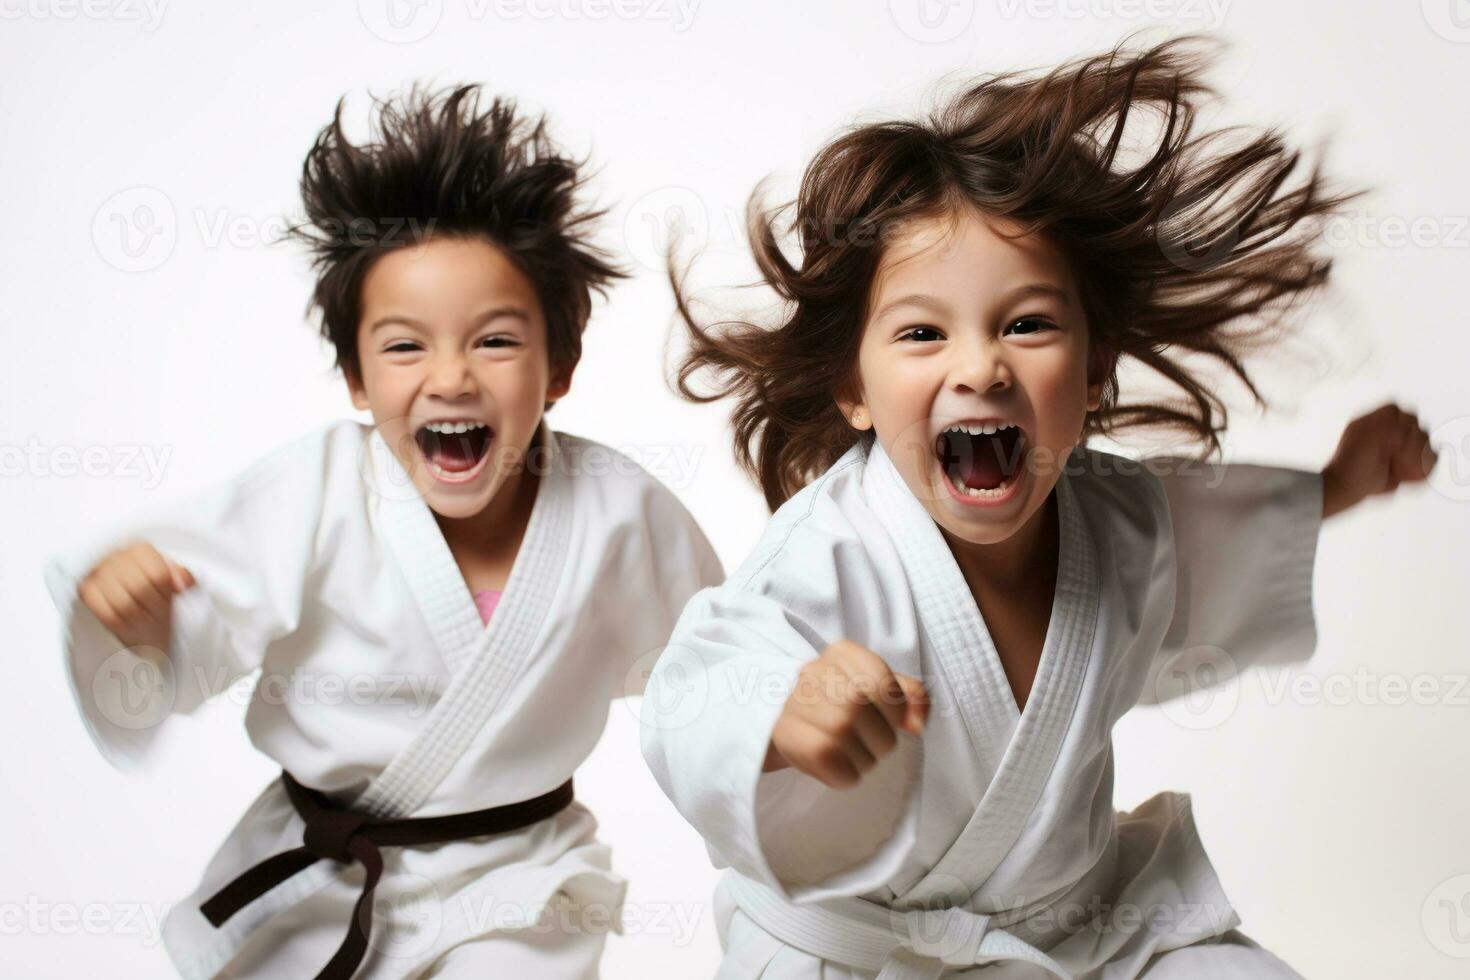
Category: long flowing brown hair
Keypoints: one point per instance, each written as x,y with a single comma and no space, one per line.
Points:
1182,243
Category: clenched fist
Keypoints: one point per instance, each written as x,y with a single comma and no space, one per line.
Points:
131,593
1377,452
844,715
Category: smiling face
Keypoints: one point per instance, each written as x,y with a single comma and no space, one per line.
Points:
973,371
455,368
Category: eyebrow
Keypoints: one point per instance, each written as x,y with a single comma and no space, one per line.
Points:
914,299
494,313
936,305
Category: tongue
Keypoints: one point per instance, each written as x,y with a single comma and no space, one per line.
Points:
981,471
453,453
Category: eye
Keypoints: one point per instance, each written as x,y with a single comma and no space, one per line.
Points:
1036,323
402,347
923,335
501,342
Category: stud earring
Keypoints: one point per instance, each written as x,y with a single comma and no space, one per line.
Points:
857,417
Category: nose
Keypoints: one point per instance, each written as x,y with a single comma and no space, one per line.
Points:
978,367
449,377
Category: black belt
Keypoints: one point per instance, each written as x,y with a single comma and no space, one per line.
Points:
338,834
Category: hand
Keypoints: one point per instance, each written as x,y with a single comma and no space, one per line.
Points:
844,715
1377,452
131,593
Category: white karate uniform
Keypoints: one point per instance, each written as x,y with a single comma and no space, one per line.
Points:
999,822
322,567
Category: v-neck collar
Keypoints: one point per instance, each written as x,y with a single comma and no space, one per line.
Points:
484,663
1019,747
987,639
423,556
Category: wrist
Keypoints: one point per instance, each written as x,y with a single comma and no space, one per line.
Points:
774,759
1335,497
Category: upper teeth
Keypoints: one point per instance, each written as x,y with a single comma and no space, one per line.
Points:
453,428
980,429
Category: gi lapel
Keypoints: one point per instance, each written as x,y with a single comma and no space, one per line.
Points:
419,550
1019,748
483,662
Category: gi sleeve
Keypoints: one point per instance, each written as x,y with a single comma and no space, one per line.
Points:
668,559
249,543
1244,543
712,702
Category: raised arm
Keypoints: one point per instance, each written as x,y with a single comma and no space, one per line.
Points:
237,555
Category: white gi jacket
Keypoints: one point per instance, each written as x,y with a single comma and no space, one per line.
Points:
322,567
1000,823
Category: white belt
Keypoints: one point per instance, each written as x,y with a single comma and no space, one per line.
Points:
863,935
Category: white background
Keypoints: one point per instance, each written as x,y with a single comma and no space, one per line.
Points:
1337,818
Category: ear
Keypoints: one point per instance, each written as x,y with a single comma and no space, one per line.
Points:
855,410
1100,364
561,382
356,391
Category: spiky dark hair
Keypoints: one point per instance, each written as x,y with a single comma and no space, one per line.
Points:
437,163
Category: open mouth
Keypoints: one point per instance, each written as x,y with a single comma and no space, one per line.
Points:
455,451
981,460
